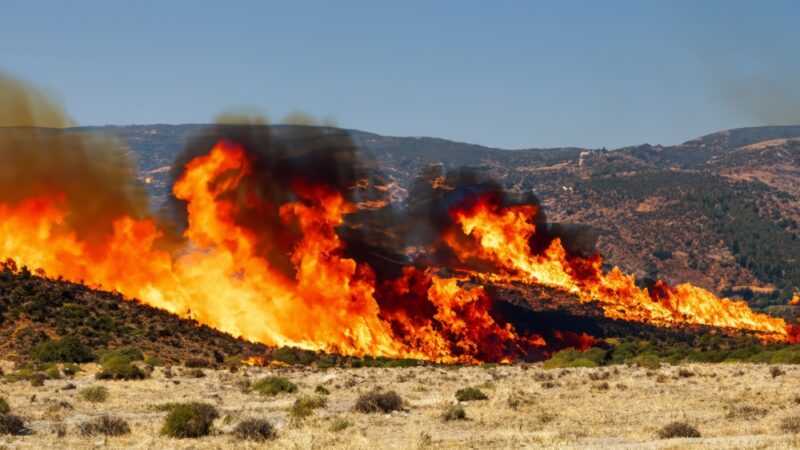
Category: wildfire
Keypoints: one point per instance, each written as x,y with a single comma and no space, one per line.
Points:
501,235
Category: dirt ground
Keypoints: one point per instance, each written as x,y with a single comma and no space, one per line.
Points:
731,405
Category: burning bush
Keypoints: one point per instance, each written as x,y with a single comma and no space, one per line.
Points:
469,394
377,400
254,430
189,420
274,385
105,425
678,430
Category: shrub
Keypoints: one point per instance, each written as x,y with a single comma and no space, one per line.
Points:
11,424
454,412
53,373
776,371
684,373
469,394
573,358
105,425
4,408
254,430
94,394
678,429
189,420
70,369
67,349
305,406
273,385
339,425
127,353
37,379
378,401
195,373
119,368
791,425
322,390
197,363
293,356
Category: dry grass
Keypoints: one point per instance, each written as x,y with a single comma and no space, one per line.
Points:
733,406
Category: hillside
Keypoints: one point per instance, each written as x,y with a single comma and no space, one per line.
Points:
720,211
35,310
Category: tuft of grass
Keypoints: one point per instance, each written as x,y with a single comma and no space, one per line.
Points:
469,394
37,379
678,430
340,424
454,412
254,430
4,407
746,412
322,390
105,425
378,401
685,373
189,420
94,394
273,385
11,424
304,406
776,371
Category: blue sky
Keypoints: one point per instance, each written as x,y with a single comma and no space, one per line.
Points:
509,74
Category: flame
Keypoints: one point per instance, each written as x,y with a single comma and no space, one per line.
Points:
327,303
501,236
795,299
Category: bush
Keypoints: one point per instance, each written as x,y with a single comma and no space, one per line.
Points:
573,358
119,368
339,425
37,379
305,406
70,369
127,353
94,394
106,425
322,390
53,373
273,385
776,371
791,425
378,401
189,420
254,430
678,429
454,412
11,424
684,373
469,394
67,349
4,408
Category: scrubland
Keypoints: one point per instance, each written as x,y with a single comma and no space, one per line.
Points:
519,406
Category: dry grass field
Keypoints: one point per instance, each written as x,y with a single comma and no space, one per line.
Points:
731,405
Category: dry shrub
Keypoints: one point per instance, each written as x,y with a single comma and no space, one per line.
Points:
11,424
685,373
469,394
378,401
305,406
599,376
254,430
94,394
273,385
746,412
454,412
678,429
791,425
776,371
604,386
4,408
105,425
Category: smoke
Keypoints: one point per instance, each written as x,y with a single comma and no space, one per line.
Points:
93,175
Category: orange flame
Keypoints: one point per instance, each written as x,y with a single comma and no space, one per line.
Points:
328,304
501,235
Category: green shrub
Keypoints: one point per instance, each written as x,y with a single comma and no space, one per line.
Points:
378,401
293,356
4,407
305,406
454,412
53,373
119,368
469,394
648,361
573,358
94,394
11,424
678,429
67,349
273,385
339,424
70,369
254,430
105,425
189,420
126,353
37,379
322,390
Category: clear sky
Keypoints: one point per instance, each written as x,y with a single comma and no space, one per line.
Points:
509,74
